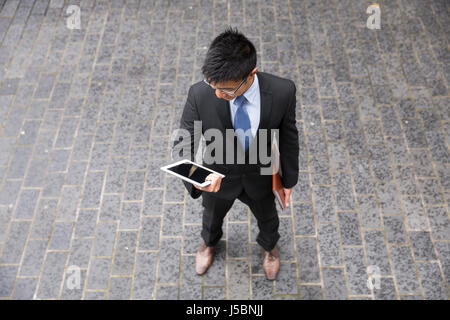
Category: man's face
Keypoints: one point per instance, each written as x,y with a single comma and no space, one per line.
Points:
232,85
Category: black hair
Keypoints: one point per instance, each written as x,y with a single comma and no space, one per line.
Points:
230,57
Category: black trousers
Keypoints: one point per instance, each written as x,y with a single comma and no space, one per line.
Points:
215,210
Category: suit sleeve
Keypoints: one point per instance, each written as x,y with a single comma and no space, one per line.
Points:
289,145
190,114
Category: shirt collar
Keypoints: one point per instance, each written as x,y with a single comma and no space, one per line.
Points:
251,92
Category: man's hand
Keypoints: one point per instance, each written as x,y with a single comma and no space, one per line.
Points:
287,193
215,183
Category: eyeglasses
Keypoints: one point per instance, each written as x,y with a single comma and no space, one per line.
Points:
231,93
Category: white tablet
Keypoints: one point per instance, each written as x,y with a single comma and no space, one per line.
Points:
190,172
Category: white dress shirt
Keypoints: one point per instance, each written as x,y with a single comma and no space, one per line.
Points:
253,106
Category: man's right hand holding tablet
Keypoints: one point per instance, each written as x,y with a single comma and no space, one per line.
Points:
215,183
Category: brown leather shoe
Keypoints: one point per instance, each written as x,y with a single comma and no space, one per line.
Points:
271,263
204,258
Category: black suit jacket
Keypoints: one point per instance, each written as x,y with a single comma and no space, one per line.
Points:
278,106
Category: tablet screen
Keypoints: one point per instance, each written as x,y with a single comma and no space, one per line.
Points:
191,171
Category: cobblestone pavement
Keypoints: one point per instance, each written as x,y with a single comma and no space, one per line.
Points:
85,121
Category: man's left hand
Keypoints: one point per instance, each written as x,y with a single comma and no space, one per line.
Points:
287,193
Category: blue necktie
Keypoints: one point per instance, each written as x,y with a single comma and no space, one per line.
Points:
242,121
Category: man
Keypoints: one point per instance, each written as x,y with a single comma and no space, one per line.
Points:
235,96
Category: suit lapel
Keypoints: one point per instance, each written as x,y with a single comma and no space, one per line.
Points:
223,110
266,101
